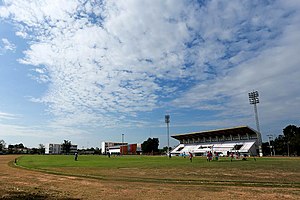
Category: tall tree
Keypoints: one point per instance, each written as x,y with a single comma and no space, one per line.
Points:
292,139
289,142
279,145
2,145
150,145
21,146
66,146
41,149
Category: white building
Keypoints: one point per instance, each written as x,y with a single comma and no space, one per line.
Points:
106,145
53,149
57,149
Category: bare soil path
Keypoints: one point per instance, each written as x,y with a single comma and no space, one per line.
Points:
17,183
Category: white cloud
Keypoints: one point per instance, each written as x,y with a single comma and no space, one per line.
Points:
6,46
109,62
6,116
4,12
274,73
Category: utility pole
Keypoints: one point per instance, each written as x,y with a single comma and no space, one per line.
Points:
271,147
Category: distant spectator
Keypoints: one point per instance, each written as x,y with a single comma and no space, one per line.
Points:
76,156
191,156
216,156
231,156
209,156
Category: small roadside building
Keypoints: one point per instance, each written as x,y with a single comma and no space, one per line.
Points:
241,139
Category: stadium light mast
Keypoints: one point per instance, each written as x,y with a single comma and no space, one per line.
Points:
253,99
122,146
167,120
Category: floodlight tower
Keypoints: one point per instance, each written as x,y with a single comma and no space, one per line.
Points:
253,98
167,121
122,146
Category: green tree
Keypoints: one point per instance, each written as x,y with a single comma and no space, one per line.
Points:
41,149
292,139
66,146
279,145
2,145
34,151
150,145
20,146
289,142
265,148
97,151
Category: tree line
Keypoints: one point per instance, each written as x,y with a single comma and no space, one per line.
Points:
286,144
20,149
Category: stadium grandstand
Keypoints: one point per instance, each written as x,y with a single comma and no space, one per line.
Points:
242,140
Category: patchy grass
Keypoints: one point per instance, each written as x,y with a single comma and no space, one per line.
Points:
279,172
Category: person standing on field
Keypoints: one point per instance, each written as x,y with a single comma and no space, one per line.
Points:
76,156
207,156
191,156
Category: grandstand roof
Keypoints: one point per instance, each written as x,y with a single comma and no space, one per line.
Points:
242,130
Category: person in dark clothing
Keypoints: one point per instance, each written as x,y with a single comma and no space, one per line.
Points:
191,156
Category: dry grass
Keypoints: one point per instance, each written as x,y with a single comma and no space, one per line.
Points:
16,183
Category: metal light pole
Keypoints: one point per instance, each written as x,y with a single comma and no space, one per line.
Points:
167,120
270,136
253,98
122,142
274,152
288,145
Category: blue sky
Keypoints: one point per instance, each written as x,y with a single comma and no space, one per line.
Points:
90,71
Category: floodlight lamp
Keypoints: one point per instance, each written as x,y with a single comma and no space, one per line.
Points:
167,118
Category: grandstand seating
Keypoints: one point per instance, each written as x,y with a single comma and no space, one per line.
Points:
241,139
245,147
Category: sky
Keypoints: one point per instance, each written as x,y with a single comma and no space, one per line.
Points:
89,71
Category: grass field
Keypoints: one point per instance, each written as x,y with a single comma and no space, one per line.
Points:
264,172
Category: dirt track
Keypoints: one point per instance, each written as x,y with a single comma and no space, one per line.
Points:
16,183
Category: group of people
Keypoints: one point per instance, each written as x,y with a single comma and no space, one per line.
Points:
190,156
209,156
236,156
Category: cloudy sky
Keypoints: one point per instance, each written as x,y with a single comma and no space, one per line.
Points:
90,71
